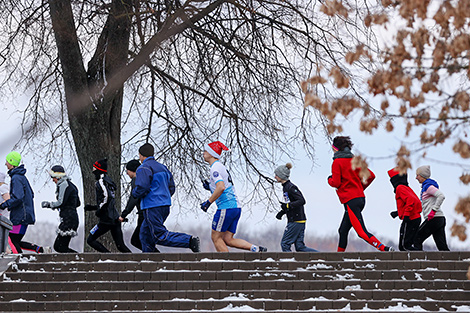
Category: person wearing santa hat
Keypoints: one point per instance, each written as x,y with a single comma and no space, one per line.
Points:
408,209
224,224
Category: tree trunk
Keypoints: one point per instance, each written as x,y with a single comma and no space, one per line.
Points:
95,117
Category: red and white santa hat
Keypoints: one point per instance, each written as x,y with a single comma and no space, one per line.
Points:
215,148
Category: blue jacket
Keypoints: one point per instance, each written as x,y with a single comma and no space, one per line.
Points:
154,184
20,204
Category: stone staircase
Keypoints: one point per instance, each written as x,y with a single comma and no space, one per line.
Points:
237,282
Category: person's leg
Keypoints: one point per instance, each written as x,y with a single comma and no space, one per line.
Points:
229,229
299,242
61,244
355,208
439,233
409,234
135,239
96,232
14,238
343,231
218,240
116,233
146,237
163,236
288,238
27,245
423,233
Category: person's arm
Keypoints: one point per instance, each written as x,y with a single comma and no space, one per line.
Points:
296,198
438,195
219,189
143,180
62,196
132,202
16,195
335,179
369,180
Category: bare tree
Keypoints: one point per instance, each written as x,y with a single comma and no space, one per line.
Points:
191,71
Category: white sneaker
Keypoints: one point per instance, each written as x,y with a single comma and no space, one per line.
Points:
47,249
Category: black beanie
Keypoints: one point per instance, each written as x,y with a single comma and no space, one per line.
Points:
101,165
132,165
146,150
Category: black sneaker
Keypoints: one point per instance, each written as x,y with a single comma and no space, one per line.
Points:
194,244
389,249
263,249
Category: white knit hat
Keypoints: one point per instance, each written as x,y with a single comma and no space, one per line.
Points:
424,171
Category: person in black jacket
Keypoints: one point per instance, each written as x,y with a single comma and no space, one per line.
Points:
131,168
293,207
67,203
105,210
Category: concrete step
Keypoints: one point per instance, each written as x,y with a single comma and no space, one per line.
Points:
275,256
237,284
250,275
220,264
243,305
145,295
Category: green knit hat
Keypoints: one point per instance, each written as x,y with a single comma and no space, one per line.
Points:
14,158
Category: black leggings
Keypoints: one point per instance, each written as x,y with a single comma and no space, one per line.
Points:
99,230
435,227
61,244
135,239
19,245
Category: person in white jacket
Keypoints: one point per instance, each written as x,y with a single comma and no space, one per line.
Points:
434,220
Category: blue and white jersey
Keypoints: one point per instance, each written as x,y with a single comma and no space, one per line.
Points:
228,199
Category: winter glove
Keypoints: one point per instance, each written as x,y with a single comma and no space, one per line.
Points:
90,207
406,219
46,204
280,214
205,205
431,215
284,206
394,214
205,185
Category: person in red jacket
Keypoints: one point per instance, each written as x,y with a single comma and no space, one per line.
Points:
408,209
350,189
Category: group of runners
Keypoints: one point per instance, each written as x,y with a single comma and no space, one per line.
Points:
153,186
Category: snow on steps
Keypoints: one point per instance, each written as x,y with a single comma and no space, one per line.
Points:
238,282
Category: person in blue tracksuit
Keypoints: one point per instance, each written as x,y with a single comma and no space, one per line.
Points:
154,185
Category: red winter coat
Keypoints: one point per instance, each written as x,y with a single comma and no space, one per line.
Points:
408,203
347,182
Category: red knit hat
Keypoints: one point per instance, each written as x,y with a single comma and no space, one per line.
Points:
393,172
101,165
215,148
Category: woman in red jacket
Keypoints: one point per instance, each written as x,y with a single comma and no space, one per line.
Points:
350,189
408,209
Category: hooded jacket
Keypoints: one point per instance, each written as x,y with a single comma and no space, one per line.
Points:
408,203
20,204
347,182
